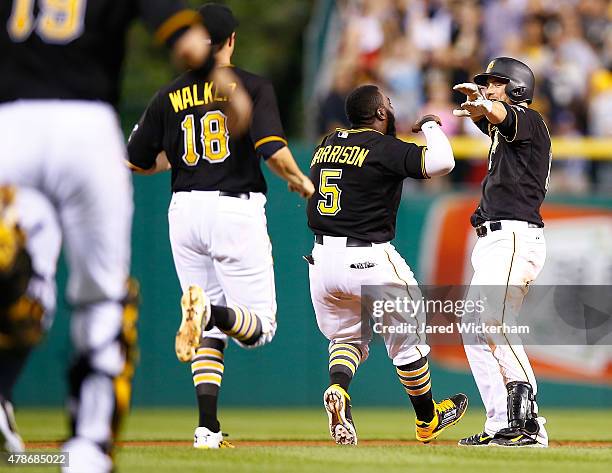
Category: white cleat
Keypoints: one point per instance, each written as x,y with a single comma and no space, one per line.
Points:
195,305
341,428
84,456
10,441
205,439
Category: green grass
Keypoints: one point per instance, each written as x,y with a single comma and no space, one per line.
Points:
311,424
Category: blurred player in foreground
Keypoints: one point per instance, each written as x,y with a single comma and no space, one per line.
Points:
511,249
218,233
62,147
359,174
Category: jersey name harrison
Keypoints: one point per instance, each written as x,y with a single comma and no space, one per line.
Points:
352,155
189,96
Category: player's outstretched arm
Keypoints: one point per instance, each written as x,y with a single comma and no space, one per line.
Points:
477,106
439,158
284,166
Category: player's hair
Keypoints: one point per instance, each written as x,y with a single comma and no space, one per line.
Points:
362,103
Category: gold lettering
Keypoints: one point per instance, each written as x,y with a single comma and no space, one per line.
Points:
315,158
325,153
196,101
335,152
177,103
208,95
362,155
347,152
187,99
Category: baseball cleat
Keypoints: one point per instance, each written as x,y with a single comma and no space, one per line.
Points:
337,404
512,437
10,441
446,414
195,305
477,440
204,438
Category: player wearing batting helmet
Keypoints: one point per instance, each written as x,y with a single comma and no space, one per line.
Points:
359,174
510,250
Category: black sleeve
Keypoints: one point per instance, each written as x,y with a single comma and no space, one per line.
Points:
483,125
404,159
516,124
146,140
167,18
266,130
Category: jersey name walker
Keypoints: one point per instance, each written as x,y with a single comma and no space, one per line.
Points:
185,120
358,177
519,167
74,49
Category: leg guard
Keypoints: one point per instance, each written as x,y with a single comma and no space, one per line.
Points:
521,414
100,377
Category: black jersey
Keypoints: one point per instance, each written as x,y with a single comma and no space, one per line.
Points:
358,177
74,49
519,167
185,120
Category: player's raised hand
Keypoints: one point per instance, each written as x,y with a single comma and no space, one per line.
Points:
470,89
424,119
193,47
238,107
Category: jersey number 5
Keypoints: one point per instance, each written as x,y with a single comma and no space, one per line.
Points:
330,205
214,138
58,22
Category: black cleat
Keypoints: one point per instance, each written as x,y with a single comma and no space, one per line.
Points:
513,437
477,440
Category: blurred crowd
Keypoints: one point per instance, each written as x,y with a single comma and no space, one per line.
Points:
418,49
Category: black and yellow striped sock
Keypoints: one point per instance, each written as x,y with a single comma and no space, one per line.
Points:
344,359
207,370
416,380
237,322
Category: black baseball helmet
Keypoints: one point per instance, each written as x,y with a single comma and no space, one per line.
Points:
521,81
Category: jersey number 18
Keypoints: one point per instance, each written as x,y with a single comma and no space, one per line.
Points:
214,138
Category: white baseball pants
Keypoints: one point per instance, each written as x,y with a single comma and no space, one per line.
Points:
507,261
73,153
335,290
221,244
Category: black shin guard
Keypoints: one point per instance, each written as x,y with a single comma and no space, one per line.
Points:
521,414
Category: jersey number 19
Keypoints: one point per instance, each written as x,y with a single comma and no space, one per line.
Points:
58,22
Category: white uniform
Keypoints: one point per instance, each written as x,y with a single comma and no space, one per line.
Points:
71,152
336,280
510,258
221,244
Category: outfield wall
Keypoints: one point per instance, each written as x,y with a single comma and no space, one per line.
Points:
293,369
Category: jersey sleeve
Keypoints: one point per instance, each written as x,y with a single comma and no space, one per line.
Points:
516,124
167,18
483,125
405,159
146,140
266,130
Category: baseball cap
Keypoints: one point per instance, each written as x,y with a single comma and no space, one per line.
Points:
219,21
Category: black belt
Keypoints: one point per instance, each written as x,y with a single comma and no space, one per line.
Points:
237,195
350,241
482,230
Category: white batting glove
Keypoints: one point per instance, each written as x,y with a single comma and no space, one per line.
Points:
477,107
470,89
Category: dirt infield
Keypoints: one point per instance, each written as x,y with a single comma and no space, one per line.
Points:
313,443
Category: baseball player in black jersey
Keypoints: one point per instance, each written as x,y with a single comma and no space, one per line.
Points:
218,234
358,174
62,148
510,250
